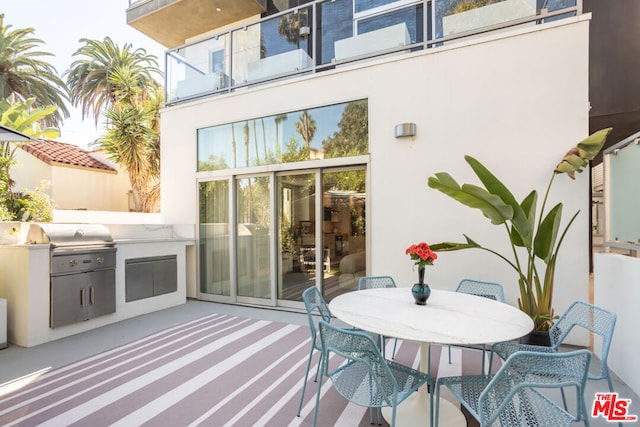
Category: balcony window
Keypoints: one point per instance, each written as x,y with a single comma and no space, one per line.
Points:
324,34
198,68
272,47
461,16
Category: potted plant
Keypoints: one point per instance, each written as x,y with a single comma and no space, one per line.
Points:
534,236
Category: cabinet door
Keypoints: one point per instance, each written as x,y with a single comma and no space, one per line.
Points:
165,276
69,296
101,296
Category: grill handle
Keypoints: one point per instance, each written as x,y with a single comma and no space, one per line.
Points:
81,297
91,295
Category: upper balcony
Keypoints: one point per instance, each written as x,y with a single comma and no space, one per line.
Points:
326,34
173,22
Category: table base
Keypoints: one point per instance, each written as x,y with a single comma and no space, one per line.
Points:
415,410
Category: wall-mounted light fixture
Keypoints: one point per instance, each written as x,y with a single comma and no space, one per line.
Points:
405,129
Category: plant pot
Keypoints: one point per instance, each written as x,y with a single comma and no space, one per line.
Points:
540,338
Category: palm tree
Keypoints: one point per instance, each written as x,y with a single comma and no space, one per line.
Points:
280,118
90,81
306,127
119,83
24,75
132,138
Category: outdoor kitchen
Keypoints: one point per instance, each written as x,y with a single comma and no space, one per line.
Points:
60,279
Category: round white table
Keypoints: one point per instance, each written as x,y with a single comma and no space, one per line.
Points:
448,318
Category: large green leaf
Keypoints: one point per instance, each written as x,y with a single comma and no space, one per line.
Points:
452,246
591,145
579,156
473,196
547,233
496,187
528,207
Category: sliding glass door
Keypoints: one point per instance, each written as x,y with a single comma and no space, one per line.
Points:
296,231
266,238
253,237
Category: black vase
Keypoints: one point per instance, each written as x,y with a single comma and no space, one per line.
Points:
421,291
537,338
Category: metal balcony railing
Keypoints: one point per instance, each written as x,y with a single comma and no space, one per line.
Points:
326,34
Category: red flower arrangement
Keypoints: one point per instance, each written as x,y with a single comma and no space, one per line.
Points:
421,254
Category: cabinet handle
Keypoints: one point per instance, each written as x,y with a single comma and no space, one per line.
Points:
81,297
91,295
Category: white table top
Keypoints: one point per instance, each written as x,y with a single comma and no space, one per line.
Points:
448,318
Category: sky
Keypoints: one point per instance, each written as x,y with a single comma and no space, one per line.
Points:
60,24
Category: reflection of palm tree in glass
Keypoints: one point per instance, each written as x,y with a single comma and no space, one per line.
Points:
306,127
245,131
290,24
264,137
279,119
255,142
233,143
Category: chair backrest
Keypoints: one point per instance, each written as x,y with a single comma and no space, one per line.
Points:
371,282
314,303
512,394
590,317
364,379
482,289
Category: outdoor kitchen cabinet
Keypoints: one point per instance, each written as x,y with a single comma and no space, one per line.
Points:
79,297
150,276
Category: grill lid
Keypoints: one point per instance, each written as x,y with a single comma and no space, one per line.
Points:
68,234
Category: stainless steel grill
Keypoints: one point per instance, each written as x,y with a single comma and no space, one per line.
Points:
82,270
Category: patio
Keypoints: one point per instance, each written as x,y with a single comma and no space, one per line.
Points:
257,405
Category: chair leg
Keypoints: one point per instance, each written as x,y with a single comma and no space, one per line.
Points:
484,349
610,382
449,354
315,411
395,343
435,422
318,369
431,393
306,377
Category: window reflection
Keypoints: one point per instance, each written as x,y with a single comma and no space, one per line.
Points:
214,238
339,130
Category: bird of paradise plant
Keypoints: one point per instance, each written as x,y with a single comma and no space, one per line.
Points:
537,233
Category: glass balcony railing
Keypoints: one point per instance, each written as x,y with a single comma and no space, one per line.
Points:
328,33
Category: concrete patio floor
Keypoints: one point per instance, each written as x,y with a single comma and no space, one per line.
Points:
17,362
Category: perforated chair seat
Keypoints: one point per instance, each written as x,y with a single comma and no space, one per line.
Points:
365,377
579,314
512,397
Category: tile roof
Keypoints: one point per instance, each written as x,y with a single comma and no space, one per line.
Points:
60,152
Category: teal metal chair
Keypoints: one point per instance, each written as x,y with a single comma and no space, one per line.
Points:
479,288
579,314
373,282
514,395
314,303
364,377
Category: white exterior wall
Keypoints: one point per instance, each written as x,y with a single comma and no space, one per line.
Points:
74,187
29,171
615,288
516,101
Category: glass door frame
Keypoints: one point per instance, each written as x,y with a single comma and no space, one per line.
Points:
316,167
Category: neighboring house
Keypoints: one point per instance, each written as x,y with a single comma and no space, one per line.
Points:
79,179
291,133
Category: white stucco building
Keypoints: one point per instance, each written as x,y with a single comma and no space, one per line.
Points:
233,138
